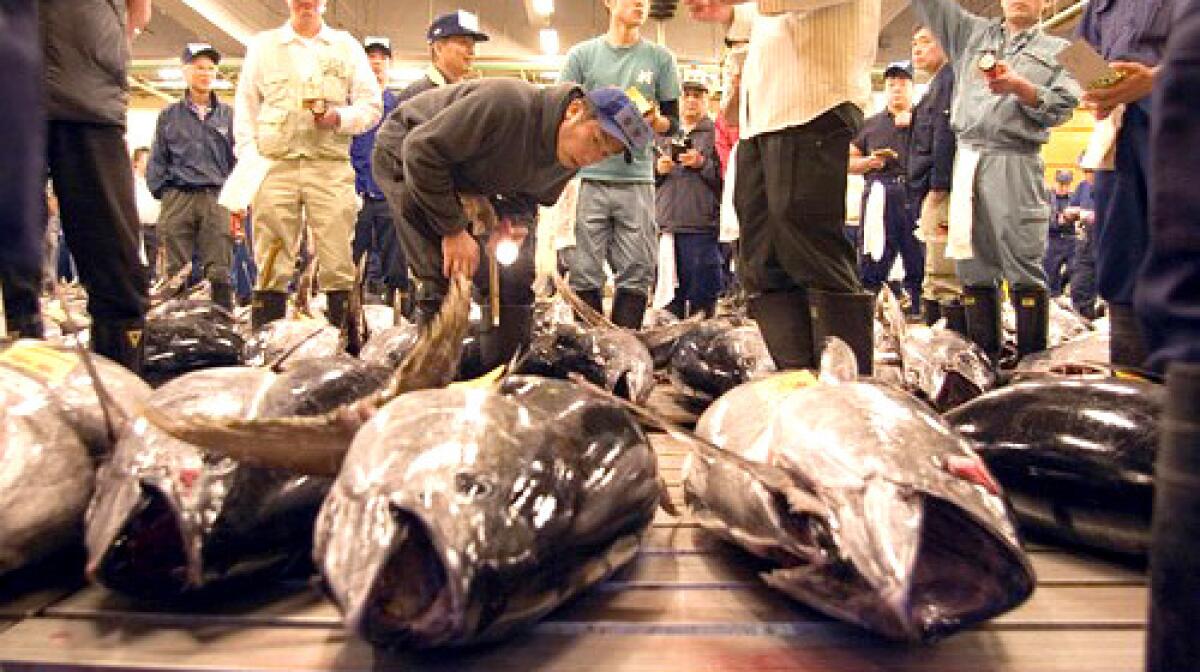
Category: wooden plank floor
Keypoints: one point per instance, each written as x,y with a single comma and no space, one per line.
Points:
687,602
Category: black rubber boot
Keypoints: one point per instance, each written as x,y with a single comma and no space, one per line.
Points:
1171,642
222,295
25,326
497,344
956,316
982,308
931,311
266,307
1125,346
850,317
345,319
121,341
1033,318
784,321
593,298
629,309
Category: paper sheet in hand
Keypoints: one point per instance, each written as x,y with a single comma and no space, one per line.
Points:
1087,66
243,183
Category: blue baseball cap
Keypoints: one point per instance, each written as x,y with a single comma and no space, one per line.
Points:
619,117
194,49
898,69
460,22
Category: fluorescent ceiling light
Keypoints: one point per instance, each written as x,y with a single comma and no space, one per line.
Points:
548,38
170,73
543,7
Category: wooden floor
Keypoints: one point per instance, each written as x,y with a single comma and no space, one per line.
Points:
686,603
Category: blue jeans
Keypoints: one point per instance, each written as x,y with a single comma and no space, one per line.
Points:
698,263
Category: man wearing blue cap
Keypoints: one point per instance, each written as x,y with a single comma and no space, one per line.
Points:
1060,245
509,142
375,231
452,38
190,158
880,153
615,217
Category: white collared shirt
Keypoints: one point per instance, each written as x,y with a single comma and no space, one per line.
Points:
805,57
363,110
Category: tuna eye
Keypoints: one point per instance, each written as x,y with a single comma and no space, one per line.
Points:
471,485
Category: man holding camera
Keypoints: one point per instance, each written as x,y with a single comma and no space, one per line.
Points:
304,92
688,204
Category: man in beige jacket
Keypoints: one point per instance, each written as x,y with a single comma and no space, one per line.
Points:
305,90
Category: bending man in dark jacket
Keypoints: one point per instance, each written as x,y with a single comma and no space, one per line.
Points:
504,140
688,204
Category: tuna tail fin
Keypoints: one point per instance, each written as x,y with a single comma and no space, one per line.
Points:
107,406
433,361
313,445
838,363
586,312
891,314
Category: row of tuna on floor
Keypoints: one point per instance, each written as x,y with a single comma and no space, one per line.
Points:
442,515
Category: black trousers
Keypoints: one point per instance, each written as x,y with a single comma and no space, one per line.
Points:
375,235
22,200
790,196
422,245
93,180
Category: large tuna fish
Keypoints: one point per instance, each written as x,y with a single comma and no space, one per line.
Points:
717,356
169,520
1085,356
189,335
1076,457
873,509
937,364
54,430
463,514
613,359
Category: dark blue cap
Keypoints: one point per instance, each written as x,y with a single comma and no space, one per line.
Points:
619,117
898,69
194,49
456,23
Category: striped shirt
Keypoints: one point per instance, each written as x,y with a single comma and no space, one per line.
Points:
806,57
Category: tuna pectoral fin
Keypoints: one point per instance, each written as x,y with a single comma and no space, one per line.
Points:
307,445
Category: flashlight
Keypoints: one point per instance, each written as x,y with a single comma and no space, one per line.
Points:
506,252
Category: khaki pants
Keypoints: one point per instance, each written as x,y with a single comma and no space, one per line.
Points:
324,192
941,281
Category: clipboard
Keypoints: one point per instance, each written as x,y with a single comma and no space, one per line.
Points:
1087,66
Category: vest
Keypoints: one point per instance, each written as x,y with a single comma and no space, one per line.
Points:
285,127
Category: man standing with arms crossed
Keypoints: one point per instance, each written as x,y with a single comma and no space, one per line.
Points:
304,91
615,218
804,85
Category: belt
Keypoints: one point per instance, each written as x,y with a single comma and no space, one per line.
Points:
888,179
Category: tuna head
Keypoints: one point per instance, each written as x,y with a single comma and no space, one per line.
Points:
887,519
462,514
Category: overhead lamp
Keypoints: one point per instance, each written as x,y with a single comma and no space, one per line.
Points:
548,38
543,7
170,73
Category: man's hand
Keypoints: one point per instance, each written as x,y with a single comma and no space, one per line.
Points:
460,255
237,225
330,121
658,122
711,11
1136,83
875,162
1003,79
664,164
692,159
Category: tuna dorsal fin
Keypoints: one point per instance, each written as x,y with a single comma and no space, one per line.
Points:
838,363
891,314
585,312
